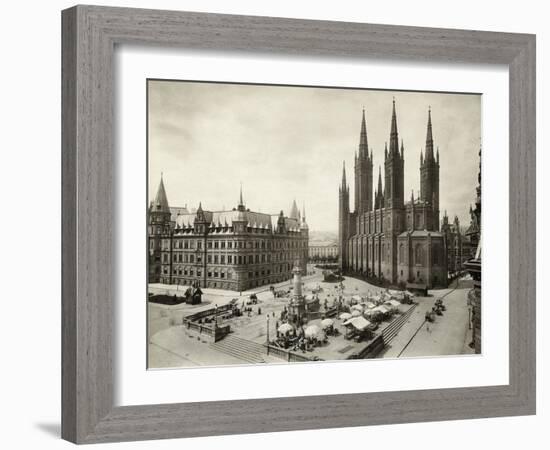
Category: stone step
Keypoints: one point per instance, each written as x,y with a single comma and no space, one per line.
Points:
239,354
239,349
234,341
243,349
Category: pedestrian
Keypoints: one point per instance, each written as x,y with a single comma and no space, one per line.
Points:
428,327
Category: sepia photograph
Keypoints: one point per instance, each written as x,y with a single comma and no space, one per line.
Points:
291,224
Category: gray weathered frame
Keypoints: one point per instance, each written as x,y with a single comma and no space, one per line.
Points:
89,36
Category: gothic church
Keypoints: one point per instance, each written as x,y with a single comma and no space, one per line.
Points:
392,240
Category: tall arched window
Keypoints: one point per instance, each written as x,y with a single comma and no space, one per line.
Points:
419,254
435,255
401,254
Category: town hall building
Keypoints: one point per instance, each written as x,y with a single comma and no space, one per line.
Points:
237,249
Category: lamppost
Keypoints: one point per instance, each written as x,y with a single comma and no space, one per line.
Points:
469,315
267,317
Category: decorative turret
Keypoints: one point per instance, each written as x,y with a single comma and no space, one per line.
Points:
303,224
281,225
241,206
159,211
344,185
294,213
240,220
445,219
160,227
160,203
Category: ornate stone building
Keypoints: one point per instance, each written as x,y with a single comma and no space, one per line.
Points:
473,266
236,249
391,239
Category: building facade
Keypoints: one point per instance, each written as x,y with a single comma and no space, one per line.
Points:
236,249
459,246
473,266
323,252
390,239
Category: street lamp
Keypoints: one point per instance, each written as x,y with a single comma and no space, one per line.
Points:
267,317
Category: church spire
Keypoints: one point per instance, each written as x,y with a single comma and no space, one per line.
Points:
161,201
429,138
344,183
394,137
379,195
363,141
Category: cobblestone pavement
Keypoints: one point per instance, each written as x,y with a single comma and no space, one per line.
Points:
173,346
449,334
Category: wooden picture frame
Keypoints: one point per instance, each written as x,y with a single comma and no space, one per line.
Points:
90,34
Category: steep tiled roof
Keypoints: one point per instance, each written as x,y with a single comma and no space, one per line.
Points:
160,203
226,218
176,210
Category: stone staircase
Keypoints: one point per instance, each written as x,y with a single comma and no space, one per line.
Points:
248,351
391,330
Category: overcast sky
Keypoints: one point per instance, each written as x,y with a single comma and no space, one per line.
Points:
285,143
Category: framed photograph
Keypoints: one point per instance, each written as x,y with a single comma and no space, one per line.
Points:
278,224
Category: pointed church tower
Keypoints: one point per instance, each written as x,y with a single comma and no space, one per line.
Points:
363,172
393,168
429,176
343,220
